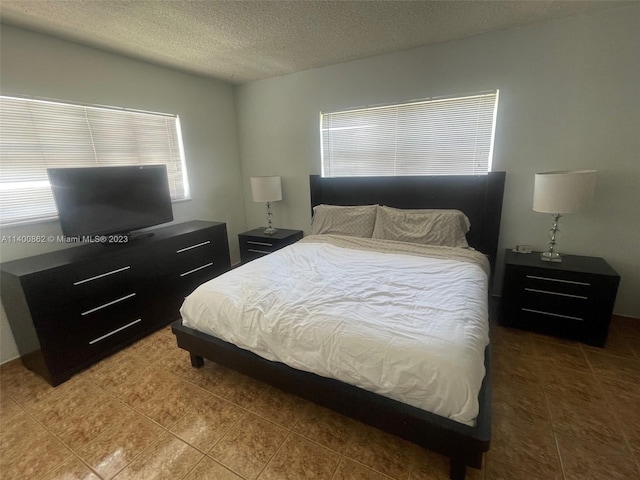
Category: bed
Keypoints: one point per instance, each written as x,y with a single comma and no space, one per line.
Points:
463,434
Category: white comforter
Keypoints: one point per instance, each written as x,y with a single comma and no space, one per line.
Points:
406,326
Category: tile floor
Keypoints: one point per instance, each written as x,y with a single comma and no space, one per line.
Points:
561,410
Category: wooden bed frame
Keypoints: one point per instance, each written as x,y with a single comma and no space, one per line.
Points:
480,198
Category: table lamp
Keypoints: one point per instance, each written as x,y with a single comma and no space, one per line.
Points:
267,189
559,193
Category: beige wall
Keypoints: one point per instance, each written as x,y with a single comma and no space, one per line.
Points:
42,66
569,99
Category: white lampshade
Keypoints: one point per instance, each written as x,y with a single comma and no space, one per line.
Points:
563,192
266,189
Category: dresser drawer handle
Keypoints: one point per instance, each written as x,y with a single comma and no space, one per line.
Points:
552,314
582,297
193,246
196,269
260,243
80,282
256,251
96,340
558,280
117,300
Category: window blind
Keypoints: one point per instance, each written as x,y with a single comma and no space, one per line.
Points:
444,136
38,134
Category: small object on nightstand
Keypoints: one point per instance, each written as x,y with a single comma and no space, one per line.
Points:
572,299
522,249
256,243
267,190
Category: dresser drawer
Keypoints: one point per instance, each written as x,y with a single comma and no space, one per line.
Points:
94,339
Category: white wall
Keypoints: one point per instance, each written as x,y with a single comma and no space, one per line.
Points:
569,99
42,66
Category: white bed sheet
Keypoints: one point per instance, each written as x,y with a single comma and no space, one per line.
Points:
411,328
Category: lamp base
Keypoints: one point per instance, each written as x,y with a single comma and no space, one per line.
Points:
270,231
550,257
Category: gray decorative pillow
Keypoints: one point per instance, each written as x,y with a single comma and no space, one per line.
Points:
428,227
356,221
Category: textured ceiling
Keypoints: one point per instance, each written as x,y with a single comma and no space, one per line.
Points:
242,41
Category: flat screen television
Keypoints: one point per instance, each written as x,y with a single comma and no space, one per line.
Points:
97,201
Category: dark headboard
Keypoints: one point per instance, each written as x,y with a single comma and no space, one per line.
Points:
478,196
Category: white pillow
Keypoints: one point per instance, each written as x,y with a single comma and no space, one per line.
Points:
428,227
353,221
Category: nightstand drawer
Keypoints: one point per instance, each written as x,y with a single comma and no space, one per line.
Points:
568,285
256,243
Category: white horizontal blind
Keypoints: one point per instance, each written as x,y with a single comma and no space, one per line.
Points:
36,135
448,136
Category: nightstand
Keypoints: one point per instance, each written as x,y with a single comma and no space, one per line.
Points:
255,243
572,299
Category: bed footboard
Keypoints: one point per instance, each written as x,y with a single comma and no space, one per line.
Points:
463,444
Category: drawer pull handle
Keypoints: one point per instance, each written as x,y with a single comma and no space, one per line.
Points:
117,300
552,314
193,246
558,280
260,243
96,340
582,297
256,251
196,269
80,282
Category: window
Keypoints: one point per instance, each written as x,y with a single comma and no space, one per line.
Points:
38,134
439,136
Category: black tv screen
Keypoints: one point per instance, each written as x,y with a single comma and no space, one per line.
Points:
106,200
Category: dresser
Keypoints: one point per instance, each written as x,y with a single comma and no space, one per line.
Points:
256,243
572,299
68,309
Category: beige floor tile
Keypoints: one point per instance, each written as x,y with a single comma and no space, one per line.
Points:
510,366
618,344
249,445
241,389
589,460
155,346
172,403
301,459
208,469
576,415
529,446
72,469
350,470
29,389
551,354
380,451
115,370
8,407
142,386
580,382
279,407
207,421
167,459
18,431
34,459
495,470
77,426
115,448
433,466
209,377
523,402
325,427
616,368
